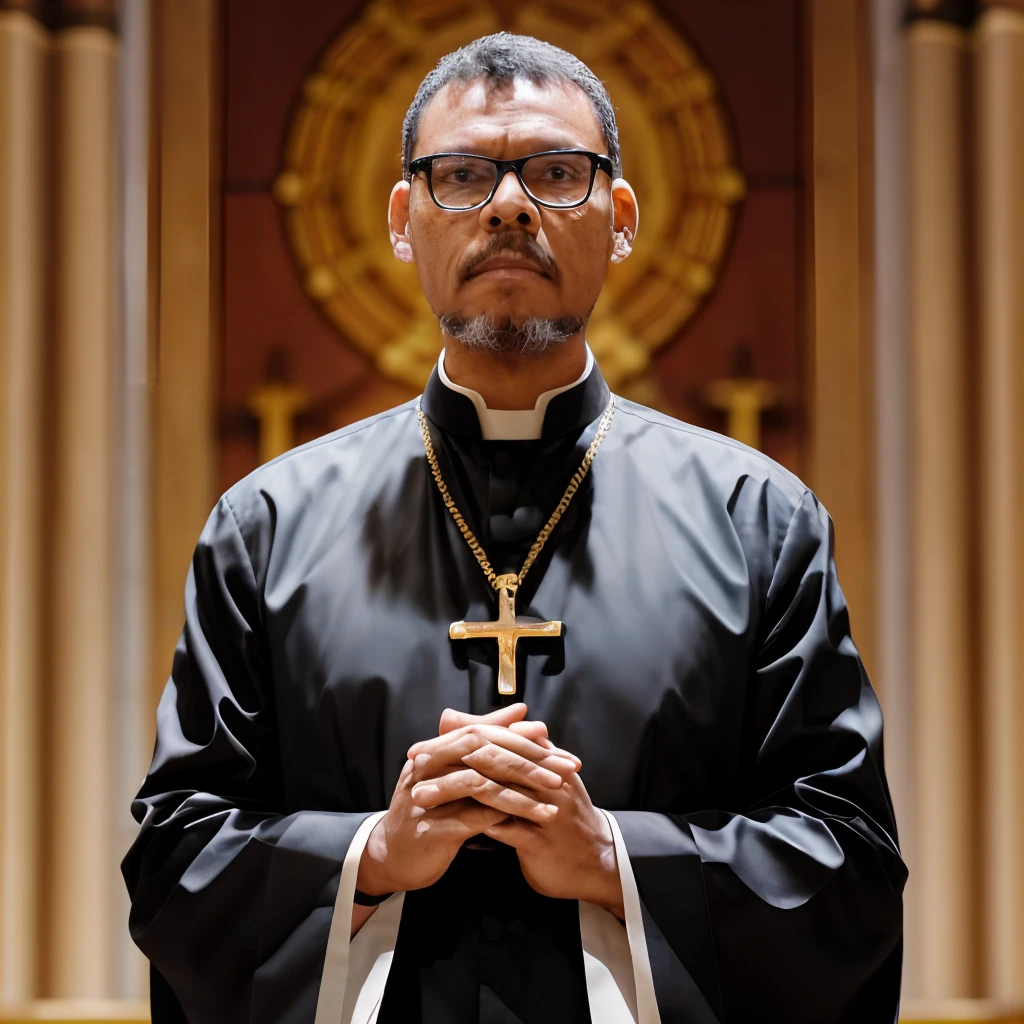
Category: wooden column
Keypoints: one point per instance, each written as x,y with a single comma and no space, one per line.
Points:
83,863
133,744
184,447
999,191
944,871
892,438
24,45
841,468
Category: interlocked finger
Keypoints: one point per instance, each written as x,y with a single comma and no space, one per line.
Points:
460,818
431,756
452,719
503,765
536,731
471,784
481,732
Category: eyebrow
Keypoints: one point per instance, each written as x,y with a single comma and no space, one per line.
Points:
537,145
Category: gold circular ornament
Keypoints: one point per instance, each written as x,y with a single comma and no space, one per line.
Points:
344,155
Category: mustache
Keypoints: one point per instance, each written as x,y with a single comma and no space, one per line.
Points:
517,242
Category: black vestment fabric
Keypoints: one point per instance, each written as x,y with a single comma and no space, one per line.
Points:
706,678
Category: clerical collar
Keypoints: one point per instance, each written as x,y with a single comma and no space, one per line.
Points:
463,411
512,424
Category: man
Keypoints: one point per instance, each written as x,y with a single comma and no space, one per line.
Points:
693,826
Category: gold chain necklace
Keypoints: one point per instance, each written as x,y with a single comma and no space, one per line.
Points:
508,628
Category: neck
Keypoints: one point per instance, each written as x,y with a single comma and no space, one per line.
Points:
507,380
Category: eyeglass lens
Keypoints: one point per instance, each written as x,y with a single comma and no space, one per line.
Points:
561,179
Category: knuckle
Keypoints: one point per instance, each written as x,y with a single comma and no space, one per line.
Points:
507,759
494,754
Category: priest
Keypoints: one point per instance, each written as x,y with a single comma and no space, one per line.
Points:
519,702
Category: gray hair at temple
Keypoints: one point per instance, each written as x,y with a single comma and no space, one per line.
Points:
500,59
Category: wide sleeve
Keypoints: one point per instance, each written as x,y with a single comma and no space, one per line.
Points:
787,906
232,899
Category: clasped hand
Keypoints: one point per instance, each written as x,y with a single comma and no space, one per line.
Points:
496,775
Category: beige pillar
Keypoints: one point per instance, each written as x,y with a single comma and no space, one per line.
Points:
82,864
943,873
841,468
184,400
23,53
999,191
892,424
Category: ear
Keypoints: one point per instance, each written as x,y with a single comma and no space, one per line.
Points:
625,219
398,223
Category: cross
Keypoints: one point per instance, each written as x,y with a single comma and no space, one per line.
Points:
743,398
276,404
507,631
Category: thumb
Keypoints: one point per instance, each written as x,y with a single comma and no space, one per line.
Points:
452,719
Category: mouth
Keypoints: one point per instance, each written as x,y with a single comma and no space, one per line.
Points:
509,265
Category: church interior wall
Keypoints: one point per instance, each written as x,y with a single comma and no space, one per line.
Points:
754,52
861,182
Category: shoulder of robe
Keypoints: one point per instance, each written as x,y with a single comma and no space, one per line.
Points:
723,457
717,477
323,468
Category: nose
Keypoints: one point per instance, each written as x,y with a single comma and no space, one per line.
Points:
510,205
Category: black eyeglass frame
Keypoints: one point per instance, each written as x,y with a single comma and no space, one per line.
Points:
598,162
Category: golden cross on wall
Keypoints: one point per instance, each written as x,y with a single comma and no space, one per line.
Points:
507,630
276,404
743,398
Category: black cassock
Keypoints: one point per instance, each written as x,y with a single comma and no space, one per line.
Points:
706,677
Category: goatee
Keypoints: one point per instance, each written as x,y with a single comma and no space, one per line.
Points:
529,336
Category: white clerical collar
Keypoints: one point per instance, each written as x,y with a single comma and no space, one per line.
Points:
511,424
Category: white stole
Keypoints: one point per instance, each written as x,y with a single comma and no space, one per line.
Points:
620,987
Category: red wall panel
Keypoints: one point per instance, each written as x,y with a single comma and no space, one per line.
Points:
754,49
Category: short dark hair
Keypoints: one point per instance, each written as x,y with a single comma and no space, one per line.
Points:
501,58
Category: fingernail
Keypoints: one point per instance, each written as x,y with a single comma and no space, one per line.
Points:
424,791
550,809
421,760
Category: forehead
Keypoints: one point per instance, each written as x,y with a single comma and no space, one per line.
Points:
508,119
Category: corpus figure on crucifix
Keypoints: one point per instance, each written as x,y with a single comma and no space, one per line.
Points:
669,808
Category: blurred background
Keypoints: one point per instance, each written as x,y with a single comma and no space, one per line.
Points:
195,275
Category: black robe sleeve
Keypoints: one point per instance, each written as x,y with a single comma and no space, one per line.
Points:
231,899
787,906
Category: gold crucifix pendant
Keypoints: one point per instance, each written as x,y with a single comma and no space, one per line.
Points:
507,631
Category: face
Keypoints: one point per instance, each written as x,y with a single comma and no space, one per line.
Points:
511,259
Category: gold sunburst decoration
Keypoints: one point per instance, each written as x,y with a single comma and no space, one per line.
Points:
344,154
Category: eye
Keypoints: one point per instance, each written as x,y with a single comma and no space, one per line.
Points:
460,174
556,172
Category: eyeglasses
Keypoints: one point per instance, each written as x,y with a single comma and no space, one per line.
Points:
560,179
